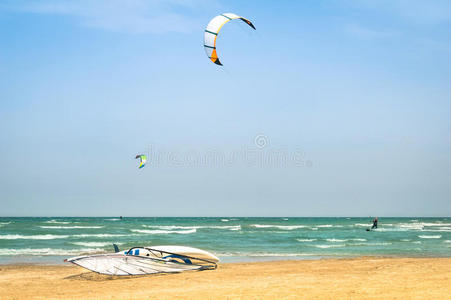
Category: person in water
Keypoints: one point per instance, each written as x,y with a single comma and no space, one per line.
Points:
374,223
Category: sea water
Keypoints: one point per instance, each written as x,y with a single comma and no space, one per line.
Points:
50,240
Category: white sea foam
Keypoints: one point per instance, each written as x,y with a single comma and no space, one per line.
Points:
395,227
447,241
94,244
236,228
325,226
56,222
231,227
98,235
384,229
314,228
70,227
265,254
345,240
336,240
429,236
435,224
224,220
32,237
371,244
172,227
164,231
330,246
283,227
405,240
412,226
416,242
306,240
280,254
112,219
48,251
439,229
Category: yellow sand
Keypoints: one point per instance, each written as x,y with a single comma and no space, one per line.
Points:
363,278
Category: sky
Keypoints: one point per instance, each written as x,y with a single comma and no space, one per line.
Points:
329,108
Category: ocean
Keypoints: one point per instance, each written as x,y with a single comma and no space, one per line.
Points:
51,239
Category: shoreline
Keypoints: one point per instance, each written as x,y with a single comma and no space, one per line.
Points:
59,260
363,277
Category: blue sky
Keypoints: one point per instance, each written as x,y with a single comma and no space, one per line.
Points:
358,90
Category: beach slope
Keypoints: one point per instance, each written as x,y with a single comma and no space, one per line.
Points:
369,278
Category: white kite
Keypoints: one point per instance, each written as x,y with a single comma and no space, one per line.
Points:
212,30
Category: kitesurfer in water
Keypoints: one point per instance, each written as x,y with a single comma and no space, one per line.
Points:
374,223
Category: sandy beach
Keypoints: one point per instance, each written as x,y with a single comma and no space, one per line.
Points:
369,278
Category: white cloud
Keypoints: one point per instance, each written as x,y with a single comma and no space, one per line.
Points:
131,16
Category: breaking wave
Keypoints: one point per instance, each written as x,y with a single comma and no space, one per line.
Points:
345,240
439,229
32,237
429,236
164,231
48,251
71,227
330,246
172,227
99,235
56,222
306,240
435,224
265,254
283,227
336,240
371,244
94,244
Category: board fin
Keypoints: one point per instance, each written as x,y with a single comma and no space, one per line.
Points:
116,248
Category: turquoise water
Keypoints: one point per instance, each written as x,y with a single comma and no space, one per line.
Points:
232,239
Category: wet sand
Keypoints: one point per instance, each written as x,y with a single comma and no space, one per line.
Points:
362,278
